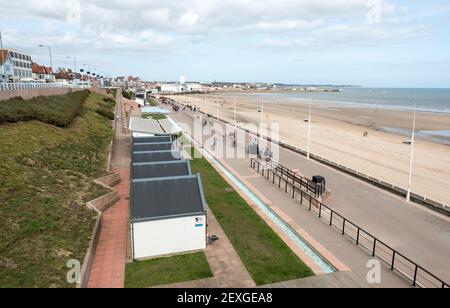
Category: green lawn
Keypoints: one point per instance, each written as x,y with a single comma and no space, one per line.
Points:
163,271
152,102
154,116
267,258
46,177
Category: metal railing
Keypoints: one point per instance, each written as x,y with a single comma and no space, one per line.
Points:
439,207
299,181
296,179
397,262
13,86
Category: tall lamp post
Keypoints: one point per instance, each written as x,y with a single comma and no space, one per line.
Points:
411,162
88,73
1,53
309,129
74,63
50,54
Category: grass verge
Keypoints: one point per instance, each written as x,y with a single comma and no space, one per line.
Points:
267,258
154,116
163,271
46,177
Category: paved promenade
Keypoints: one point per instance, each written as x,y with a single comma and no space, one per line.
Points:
108,270
414,231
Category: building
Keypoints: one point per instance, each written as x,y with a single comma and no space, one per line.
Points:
171,88
6,66
42,73
145,127
168,207
21,65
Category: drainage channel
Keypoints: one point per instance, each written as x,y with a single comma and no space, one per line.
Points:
317,258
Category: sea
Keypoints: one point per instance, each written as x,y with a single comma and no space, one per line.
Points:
428,100
424,100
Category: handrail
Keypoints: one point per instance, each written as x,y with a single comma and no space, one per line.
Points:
417,272
13,86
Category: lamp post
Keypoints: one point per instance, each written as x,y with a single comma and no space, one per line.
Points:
235,113
411,162
50,54
74,63
3,60
309,129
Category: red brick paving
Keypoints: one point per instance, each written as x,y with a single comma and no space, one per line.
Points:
108,270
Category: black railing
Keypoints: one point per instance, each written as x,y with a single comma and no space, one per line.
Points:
397,262
299,181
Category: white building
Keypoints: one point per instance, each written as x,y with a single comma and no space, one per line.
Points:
21,65
168,208
182,79
6,66
172,88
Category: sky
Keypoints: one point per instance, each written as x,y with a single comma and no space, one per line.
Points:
372,43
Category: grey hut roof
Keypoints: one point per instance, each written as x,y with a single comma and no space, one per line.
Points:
160,169
156,139
166,198
145,157
153,147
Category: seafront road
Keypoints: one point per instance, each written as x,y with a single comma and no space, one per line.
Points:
418,233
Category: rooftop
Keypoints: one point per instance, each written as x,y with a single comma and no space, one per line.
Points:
138,125
165,198
156,139
160,169
144,157
153,147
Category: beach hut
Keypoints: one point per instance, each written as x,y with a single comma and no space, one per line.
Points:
168,216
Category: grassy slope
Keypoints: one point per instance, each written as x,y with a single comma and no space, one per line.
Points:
267,258
46,177
162,271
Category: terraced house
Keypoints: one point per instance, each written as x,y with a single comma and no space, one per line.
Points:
42,73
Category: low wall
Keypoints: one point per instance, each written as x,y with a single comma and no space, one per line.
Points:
31,93
89,258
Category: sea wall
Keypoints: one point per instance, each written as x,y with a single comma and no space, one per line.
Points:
31,93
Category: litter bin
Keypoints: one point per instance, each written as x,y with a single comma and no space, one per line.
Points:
320,182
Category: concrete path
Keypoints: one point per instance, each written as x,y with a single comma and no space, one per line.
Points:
225,263
344,250
108,269
339,280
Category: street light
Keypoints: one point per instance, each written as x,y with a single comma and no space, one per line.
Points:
50,53
411,162
74,63
309,129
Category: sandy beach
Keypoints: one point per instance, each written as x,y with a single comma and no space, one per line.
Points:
338,135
